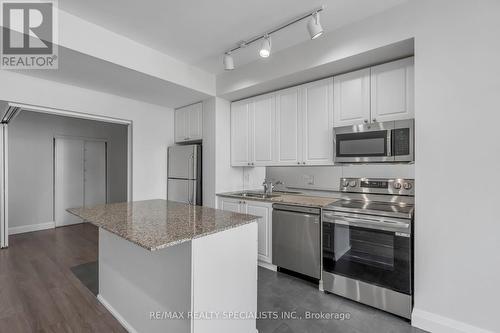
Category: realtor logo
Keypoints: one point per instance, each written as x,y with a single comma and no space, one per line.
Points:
29,34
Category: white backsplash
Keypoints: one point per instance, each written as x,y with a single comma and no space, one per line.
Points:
327,178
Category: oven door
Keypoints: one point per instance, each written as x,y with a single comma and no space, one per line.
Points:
364,143
372,249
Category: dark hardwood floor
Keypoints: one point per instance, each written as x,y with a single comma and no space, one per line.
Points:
38,291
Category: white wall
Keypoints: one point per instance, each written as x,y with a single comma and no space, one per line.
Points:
457,73
327,178
152,126
31,163
218,175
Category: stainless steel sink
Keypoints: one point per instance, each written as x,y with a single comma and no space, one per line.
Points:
257,195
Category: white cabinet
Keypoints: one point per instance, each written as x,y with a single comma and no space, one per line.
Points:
229,204
290,127
189,123
376,94
258,208
352,98
265,210
262,125
317,122
392,91
252,131
240,132
288,146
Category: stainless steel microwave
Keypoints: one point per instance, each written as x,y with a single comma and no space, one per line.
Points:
390,141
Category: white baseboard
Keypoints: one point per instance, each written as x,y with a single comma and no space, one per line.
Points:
267,265
438,324
32,227
115,314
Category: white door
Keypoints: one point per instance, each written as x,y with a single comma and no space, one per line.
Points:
288,136
392,91
231,205
181,120
263,118
194,121
94,173
264,227
69,185
240,133
317,122
352,98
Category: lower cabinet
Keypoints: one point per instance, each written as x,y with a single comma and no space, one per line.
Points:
258,208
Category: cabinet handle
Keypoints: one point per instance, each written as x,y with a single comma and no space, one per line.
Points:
366,121
303,162
298,162
374,120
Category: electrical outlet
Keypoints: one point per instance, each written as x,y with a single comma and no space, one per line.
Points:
309,179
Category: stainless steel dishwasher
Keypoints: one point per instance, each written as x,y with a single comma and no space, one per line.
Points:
296,239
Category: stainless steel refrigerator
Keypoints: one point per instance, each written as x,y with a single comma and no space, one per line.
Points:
184,174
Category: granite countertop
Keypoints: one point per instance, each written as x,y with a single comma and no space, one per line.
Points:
157,224
285,198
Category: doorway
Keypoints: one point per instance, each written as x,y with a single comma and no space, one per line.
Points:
80,176
24,175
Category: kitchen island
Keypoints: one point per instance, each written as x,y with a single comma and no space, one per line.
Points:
171,267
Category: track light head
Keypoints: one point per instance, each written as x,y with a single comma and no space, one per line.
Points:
228,62
314,26
265,49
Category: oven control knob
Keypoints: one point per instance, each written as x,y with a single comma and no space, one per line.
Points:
345,183
397,186
352,183
407,186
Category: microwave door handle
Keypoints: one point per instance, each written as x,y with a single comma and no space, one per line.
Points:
389,143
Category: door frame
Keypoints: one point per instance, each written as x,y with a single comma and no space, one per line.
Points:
4,193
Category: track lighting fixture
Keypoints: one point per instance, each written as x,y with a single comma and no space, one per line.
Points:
265,49
228,61
313,27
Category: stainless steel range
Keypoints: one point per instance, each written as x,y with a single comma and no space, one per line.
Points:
367,246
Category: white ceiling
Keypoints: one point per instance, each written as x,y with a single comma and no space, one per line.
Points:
199,31
89,72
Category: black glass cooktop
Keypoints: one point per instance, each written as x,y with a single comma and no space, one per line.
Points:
373,207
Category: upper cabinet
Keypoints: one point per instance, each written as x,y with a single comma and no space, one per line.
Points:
317,122
288,147
262,129
392,91
241,128
189,123
294,126
352,98
376,94
290,127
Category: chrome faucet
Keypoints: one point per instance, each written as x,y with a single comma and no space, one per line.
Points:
269,185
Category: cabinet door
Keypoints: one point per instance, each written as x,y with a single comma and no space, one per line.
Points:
194,121
288,146
317,122
180,130
264,226
392,91
240,133
228,204
263,133
352,98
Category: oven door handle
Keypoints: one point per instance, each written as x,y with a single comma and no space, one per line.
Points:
379,224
